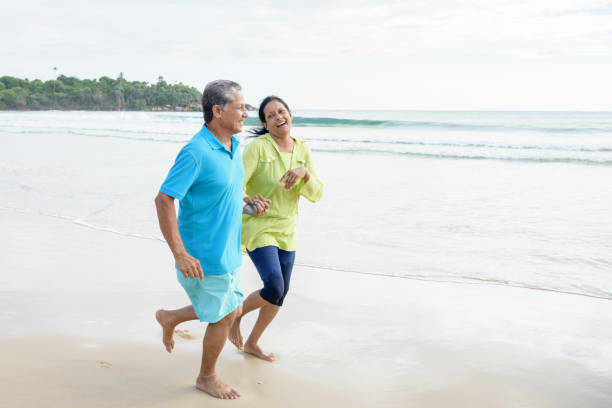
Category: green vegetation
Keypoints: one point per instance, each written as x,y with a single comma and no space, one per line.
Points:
70,93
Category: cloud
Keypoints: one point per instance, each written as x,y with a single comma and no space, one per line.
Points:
340,29
306,47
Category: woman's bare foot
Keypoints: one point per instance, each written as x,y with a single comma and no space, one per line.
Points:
235,336
163,319
214,386
258,352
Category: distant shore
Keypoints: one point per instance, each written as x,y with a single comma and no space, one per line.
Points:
103,94
167,108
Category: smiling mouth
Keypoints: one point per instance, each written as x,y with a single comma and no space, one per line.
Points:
282,124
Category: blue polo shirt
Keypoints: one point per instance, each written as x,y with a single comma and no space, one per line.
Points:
207,179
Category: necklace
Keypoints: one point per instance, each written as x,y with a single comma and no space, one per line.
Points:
280,152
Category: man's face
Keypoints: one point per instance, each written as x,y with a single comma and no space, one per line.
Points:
234,115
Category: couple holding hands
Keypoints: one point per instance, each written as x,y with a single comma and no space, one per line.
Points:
228,203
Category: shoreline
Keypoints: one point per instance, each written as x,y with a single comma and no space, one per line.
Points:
446,280
465,281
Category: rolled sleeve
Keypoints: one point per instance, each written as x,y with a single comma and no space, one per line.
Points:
313,189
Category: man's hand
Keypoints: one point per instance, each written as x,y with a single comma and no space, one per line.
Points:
189,266
259,204
291,177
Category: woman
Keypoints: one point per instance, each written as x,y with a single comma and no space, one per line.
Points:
279,167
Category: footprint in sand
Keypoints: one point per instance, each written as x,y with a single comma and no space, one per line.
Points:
104,364
184,334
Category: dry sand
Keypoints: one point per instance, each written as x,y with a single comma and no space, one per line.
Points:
77,308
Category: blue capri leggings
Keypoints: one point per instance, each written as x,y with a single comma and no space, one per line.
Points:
274,266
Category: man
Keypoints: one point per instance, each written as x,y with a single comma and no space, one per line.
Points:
207,179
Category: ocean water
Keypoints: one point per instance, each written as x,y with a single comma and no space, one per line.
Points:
491,198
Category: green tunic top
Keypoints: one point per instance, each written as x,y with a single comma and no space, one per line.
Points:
264,165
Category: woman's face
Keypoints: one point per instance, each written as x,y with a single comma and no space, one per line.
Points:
278,119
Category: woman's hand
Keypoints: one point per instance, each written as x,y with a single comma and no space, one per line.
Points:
259,204
291,177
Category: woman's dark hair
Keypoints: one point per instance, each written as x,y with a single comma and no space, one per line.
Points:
262,130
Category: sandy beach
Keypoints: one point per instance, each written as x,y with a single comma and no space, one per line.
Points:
443,282
76,335
460,255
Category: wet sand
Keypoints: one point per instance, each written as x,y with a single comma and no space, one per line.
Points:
77,310
57,371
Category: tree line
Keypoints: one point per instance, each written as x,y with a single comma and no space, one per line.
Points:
71,93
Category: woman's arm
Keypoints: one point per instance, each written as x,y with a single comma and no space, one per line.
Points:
250,159
312,187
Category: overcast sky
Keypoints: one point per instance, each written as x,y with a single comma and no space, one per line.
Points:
447,54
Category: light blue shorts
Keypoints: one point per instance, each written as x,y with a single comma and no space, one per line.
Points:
214,297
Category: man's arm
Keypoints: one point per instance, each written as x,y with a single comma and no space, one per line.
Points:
166,214
258,205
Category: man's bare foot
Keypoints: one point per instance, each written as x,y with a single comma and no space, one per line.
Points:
214,386
258,352
235,336
163,319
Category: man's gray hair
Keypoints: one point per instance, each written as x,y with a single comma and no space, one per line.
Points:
219,92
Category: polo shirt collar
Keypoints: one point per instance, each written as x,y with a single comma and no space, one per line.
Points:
215,144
